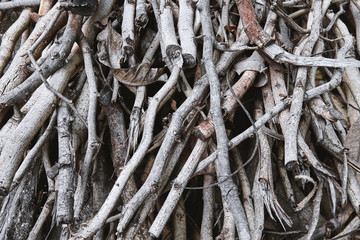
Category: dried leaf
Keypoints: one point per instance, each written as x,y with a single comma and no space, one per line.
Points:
336,114
109,47
332,196
352,141
261,81
231,29
84,7
105,96
340,105
138,76
320,75
253,63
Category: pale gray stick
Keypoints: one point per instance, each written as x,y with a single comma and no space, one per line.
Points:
177,119
40,221
15,146
25,165
100,218
290,135
66,176
209,205
168,36
228,188
128,31
57,58
15,74
177,189
93,142
173,159
228,229
10,37
141,17
316,212
19,3
335,81
186,33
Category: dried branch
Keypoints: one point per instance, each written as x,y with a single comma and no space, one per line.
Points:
56,59
293,120
93,142
65,179
22,3
109,203
37,115
228,188
10,37
303,55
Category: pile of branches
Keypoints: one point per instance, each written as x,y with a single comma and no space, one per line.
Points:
179,119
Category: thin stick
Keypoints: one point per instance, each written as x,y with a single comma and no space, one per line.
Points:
228,188
56,93
10,37
26,164
290,134
66,176
93,142
19,3
316,212
111,200
15,146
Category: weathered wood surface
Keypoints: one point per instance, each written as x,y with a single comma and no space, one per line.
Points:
179,119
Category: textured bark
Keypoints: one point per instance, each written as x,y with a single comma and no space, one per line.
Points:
179,119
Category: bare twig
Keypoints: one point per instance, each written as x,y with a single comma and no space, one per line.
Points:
35,118
228,188
290,134
10,37
177,189
143,167
93,142
110,202
26,164
65,179
15,74
22,3
55,61
208,209
186,33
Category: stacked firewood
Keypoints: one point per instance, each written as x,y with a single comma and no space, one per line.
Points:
179,119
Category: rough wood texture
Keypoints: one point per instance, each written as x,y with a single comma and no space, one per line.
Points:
231,119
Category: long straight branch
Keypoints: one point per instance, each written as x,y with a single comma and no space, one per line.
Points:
93,143
228,188
10,37
177,189
290,134
22,3
66,176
